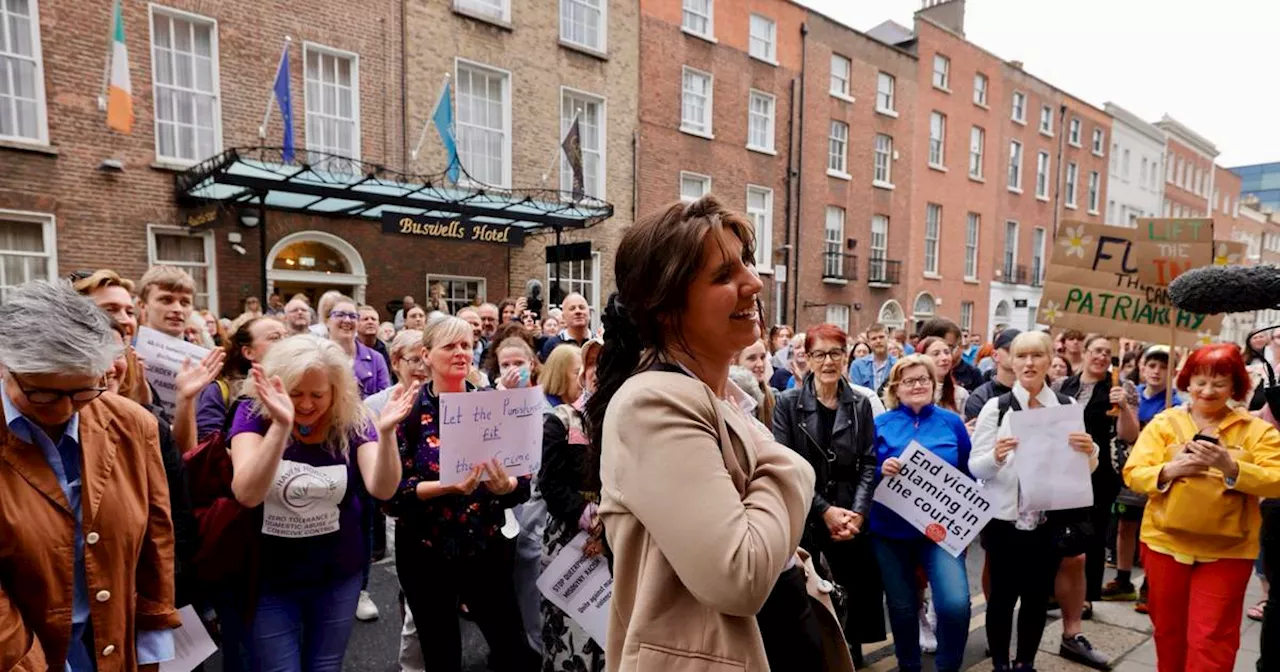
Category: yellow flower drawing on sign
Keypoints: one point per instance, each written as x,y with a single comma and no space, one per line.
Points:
1075,241
1204,338
1050,312
1221,257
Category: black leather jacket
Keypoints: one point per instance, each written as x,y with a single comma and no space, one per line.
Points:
846,469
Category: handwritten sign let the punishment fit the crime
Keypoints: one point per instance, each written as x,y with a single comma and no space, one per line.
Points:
476,427
1112,280
938,499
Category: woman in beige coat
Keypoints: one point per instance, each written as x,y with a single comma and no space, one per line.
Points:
702,510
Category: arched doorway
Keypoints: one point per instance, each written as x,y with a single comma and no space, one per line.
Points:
891,315
1002,316
312,263
923,309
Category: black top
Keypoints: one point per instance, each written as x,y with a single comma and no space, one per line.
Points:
967,375
979,397
826,422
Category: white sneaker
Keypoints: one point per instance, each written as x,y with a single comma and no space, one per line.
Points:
366,610
928,640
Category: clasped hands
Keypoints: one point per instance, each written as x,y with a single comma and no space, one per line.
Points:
842,523
1197,457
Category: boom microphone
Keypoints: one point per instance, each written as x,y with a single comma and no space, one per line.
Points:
1227,289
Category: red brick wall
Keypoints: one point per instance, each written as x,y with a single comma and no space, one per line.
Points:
1173,191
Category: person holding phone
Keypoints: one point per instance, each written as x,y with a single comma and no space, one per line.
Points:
1204,467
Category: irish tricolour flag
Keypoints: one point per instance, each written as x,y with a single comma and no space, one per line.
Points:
119,93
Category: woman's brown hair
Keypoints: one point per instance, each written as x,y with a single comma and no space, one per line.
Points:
658,259
947,394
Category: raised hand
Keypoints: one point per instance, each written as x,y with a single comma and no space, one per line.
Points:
274,398
473,481
499,482
398,407
891,466
192,379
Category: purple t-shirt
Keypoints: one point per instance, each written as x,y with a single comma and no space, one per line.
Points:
211,411
311,531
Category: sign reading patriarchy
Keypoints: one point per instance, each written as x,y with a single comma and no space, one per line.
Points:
1114,280
458,229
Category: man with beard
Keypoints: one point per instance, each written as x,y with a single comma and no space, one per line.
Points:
297,317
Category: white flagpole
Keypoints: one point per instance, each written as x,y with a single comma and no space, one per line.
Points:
271,98
560,147
423,135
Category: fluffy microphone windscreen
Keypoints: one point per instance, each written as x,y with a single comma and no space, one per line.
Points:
1227,289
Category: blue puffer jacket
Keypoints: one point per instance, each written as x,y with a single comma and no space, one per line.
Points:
938,430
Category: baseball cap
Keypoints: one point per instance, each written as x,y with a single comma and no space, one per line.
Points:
1005,339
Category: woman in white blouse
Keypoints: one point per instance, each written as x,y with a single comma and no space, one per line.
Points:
1021,547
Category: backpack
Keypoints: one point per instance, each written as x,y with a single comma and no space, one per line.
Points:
1007,402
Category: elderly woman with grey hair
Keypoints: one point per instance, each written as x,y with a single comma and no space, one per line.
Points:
84,504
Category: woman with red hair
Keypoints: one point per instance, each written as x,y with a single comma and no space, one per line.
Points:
1204,466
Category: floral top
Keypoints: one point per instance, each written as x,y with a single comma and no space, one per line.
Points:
455,525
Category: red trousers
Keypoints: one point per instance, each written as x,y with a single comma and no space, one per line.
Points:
1195,610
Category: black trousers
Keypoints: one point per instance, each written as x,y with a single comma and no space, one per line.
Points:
1269,660
1023,565
853,566
790,630
1106,485
433,586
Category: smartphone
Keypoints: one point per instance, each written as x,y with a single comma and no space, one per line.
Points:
1206,437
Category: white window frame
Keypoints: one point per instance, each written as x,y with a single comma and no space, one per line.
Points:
1124,164
1018,108
707,131
878,247
838,149
1046,120
49,231
1099,142
881,78
1142,183
1073,133
484,9
573,284
841,87
833,247
972,230
945,74
331,52
566,173
770,120
932,234
1037,255
1072,185
980,92
838,314
1009,256
1013,175
1042,175
1095,191
210,258
37,57
977,151
216,56
602,7
483,293
704,179
966,315
710,18
459,64
938,144
762,220
770,42
887,181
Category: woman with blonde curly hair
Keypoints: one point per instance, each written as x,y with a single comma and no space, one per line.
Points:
299,448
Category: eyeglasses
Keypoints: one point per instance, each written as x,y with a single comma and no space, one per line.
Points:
922,381
833,355
45,396
414,362
343,315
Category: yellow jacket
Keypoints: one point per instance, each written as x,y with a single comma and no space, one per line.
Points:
1256,446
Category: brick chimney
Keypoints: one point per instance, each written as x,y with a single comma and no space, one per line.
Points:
947,13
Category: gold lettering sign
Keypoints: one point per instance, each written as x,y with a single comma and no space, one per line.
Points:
461,230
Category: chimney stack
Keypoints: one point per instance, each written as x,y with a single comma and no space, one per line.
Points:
1015,64
946,13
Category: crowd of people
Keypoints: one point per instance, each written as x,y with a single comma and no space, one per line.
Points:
725,472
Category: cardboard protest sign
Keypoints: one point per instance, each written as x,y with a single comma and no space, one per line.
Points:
938,499
1095,279
162,357
581,587
476,427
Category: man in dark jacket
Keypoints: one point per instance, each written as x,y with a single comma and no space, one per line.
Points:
965,373
1002,378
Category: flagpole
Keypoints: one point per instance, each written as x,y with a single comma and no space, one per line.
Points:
423,135
111,40
271,98
556,156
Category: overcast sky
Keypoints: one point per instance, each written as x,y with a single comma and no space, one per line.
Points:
1211,65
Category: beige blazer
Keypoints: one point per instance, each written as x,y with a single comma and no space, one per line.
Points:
703,512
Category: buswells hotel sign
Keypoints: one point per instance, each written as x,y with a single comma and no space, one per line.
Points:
458,229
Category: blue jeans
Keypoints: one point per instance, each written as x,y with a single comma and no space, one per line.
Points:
304,629
898,560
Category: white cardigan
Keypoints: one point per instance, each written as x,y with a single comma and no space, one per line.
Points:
1001,481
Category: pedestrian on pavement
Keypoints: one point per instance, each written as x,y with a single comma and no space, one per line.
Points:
448,542
304,450
900,548
833,426
85,497
1021,547
702,509
1204,467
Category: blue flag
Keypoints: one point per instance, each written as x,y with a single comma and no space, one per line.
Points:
285,100
443,118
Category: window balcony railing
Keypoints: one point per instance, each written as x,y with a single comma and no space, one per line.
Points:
838,267
883,272
1015,274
